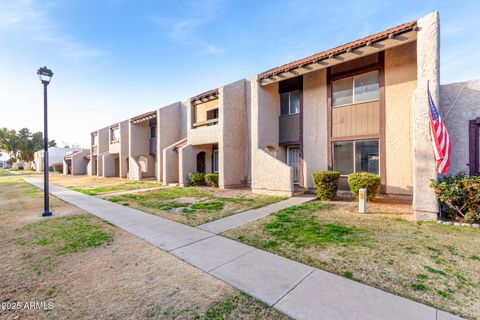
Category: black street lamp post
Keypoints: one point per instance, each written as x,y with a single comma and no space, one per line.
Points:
45,75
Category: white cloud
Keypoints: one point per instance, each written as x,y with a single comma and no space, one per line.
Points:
32,19
186,29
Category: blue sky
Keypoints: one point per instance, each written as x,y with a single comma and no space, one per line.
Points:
116,59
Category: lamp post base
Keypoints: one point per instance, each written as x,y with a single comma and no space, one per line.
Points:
46,214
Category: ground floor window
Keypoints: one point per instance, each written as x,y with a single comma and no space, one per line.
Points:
356,156
215,161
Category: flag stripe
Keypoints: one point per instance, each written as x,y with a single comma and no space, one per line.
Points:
442,145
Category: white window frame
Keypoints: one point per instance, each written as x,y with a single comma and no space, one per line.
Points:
354,153
353,89
215,160
290,103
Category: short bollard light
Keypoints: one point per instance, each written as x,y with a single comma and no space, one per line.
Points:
362,200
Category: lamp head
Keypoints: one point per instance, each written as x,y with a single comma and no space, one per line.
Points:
45,75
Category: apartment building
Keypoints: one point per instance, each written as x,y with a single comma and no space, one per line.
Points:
358,107
217,139
149,134
99,146
76,162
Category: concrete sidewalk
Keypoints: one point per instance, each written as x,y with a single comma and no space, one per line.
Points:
298,290
239,219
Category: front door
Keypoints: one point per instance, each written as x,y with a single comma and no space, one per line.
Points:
293,160
201,162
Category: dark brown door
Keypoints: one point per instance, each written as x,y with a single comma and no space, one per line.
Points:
474,150
201,162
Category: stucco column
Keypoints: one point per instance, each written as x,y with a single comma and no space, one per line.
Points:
425,205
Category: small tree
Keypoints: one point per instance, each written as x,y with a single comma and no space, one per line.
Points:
461,194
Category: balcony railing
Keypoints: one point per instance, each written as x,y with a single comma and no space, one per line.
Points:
153,146
206,123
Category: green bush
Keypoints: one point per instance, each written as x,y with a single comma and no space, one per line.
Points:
326,184
212,179
461,194
369,181
196,178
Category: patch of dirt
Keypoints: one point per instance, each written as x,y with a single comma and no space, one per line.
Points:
127,279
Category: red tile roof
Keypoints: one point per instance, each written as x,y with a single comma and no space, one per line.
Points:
337,50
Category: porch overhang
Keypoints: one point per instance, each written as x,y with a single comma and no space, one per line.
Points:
144,117
382,41
205,97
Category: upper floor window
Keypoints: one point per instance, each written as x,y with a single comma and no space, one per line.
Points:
94,140
212,114
356,89
114,134
153,130
290,102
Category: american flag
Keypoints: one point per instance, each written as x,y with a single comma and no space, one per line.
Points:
442,145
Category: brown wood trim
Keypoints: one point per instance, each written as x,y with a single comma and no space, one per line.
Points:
383,142
204,123
380,66
329,119
354,138
473,141
355,104
360,70
289,143
301,181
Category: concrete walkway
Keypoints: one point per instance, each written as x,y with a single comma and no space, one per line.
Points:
239,219
298,290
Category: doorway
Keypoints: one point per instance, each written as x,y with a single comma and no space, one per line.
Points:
293,160
201,162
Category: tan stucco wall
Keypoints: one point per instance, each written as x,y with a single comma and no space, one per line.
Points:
315,129
124,142
170,163
234,136
202,108
139,135
170,129
400,83
187,157
203,135
109,165
425,205
269,175
460,103
78,163
103,145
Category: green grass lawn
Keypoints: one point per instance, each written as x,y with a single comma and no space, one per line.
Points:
78,262
192,206
44,241
4,172
434,264
121,186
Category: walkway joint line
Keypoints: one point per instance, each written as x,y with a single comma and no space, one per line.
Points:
292,288
225,263
189,244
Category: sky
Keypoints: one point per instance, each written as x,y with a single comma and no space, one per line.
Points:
115,59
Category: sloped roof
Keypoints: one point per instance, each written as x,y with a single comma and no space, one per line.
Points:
408,26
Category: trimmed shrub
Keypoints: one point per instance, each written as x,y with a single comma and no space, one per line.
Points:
326,184
196,178
212,179
461,194
369,181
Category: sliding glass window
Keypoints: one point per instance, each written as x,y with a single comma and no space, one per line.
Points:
356,156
